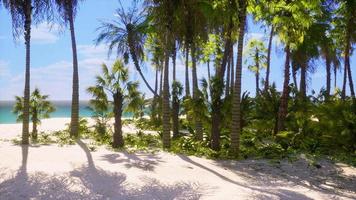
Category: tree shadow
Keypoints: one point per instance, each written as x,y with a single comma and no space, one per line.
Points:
327,179
260,177
143,161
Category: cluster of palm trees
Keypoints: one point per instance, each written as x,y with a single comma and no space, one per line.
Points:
206,32
24,14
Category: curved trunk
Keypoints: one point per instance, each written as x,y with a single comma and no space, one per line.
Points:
74,125
136,63
269,58
236,101
198,124
283,107
118,140
187,87
26,107
303,83
351,83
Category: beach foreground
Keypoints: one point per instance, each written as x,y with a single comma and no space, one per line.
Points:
74,172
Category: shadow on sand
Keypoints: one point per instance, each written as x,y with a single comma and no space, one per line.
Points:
260,174
90,182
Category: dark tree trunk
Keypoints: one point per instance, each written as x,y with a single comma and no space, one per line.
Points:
335,77
118,140
283,107
34,125
232,69
303,83
351,83
328,75
74,124
294,75
236,101
175,101
228,75
187,87
257,73
161,81
198,124
26,108
343,92
174,58
269,58
165,103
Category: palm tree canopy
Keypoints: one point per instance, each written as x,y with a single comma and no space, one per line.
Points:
41,10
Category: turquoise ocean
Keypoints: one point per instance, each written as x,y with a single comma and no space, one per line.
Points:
63,110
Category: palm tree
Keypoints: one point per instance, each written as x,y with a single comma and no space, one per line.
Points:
114,87
67,10
23,13
345,27
236,99
127,36
40,108
256,51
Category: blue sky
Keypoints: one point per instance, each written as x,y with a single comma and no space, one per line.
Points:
51,58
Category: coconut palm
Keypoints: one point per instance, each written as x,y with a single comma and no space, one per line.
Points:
40,108
24,13
67,10
113,86
127,36
256,51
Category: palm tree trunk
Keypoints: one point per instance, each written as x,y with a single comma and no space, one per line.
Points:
198,124
34,125
118,140
232,78
236,101
294,75
257,73
74,125
303,83
283,107
156,80
165,103
351,83
328,75
187,87
269,58
26,108
174,58
228,75
343,92
335,78
161,81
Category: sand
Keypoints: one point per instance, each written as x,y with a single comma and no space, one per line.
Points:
74,172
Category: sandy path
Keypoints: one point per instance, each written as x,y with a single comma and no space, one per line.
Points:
73,172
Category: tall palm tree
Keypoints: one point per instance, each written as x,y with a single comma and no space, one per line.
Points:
40,108
236,104
23,14
127,36
113,86
67,10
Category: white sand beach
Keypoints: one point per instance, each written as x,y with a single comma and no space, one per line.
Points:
74,172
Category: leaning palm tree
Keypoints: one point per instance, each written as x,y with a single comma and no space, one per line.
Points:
127,36
114,87
40,108
23,14
67,10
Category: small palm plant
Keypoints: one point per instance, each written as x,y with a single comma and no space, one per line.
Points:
40,108
114,88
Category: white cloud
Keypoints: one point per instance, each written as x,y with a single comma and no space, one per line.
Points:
4,69
93,51
45,33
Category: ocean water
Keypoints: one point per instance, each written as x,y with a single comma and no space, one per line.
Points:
63,110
